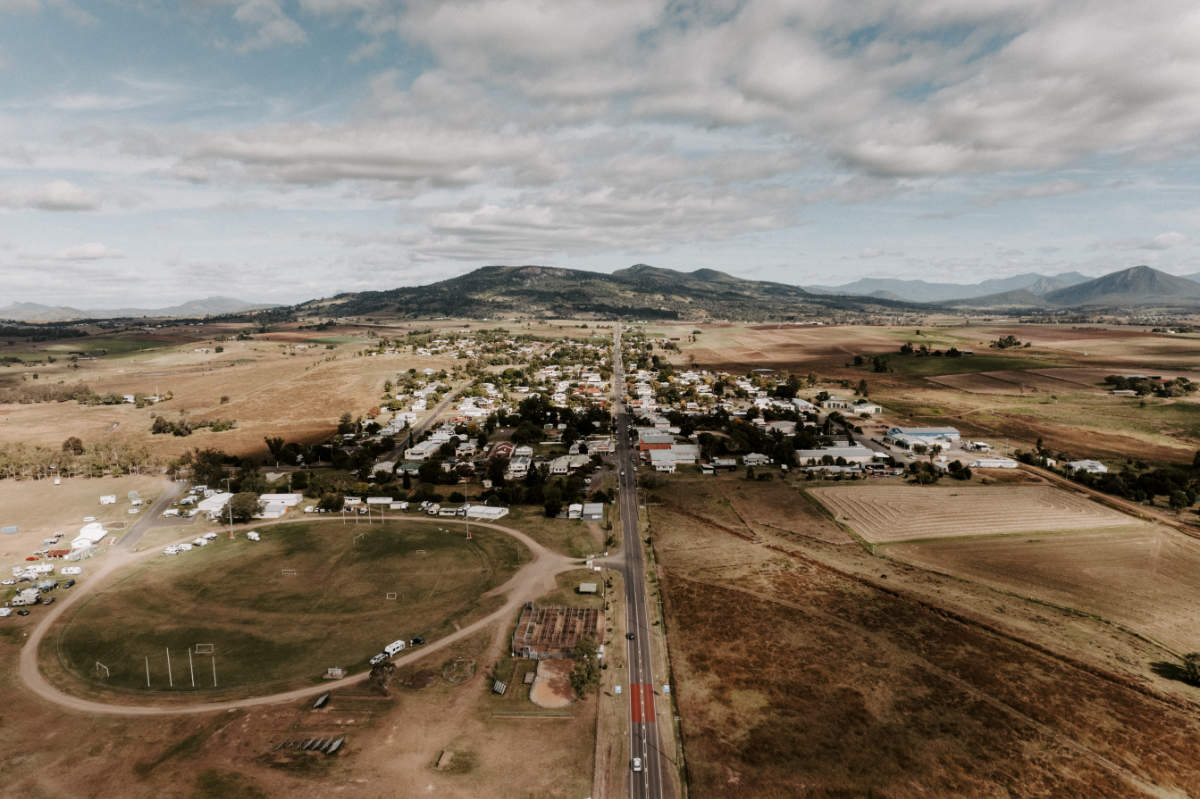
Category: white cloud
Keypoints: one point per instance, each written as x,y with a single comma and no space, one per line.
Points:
91,251
57,195
1164,241
271,23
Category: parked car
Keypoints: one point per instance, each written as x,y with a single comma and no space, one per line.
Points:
377,659
48,600
637,764
416,641
68,583
22,612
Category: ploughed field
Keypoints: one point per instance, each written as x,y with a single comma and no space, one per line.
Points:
891,513
1146,579
278,612
805,667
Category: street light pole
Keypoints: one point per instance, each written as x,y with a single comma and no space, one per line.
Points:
230,505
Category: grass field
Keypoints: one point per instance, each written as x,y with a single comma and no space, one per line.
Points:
279,612
567,536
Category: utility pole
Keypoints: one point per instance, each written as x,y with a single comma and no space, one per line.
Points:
170,677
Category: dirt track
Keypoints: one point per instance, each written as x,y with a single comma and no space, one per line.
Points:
531,581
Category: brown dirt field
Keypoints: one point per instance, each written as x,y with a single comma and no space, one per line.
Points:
272,390
891,513
1146,579
1014,382
552,685
838,681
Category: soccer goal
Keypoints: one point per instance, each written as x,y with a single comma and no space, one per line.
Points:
391,595
102,669
289,572
203,649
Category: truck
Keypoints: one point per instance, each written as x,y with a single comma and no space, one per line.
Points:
394,647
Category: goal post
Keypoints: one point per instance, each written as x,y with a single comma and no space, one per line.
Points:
203,649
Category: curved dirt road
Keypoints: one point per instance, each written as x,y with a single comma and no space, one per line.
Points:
532,580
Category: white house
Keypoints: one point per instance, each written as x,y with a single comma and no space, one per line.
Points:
214,504
850,454
89,535
756,459
663,460
994,463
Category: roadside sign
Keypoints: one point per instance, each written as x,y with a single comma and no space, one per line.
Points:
666,689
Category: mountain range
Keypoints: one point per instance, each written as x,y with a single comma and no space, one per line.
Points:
924,291
209,306
650,292
640,291
1138,286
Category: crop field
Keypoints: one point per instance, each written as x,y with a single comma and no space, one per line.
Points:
891,513
1147,580
838,682
281,611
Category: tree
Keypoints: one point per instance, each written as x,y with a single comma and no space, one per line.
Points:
1191,667
74,446
1178,500
275,446
332,502
586,674
553,501
242,507
208,466
862,387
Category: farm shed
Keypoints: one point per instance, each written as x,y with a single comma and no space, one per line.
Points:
592,511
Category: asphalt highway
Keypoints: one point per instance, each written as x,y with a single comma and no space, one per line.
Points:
643,718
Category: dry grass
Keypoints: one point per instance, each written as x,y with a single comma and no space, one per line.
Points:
891,513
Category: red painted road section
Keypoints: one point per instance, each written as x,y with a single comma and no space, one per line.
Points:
641,703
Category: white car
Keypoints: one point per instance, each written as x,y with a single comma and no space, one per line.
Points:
211,536
637,764
253,535
71,570
185,547
9,581
171,550
132,511
377,659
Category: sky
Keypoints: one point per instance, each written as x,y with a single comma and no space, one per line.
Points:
153,152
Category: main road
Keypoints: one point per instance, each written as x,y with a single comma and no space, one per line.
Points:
643,726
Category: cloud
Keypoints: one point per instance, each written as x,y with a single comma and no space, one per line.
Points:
1049,188
91,251
271,23
1164,241
57,195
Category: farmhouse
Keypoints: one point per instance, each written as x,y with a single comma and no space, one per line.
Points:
663,460
994,463
553,632
214,504
89,535
856,453
907,437
1089,466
